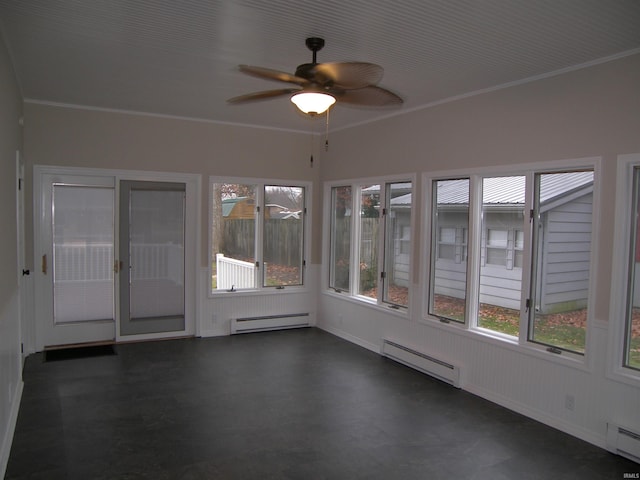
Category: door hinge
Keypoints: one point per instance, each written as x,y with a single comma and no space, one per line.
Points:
257,264
383,275
527,304
531,214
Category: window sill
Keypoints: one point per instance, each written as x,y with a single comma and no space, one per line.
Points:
510,343
258,292
624,375
401,312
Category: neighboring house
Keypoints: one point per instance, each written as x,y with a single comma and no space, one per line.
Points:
238,208
565,208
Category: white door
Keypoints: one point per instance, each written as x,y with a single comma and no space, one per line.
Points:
75,287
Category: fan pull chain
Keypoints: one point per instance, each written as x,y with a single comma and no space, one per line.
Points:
326,138
311,150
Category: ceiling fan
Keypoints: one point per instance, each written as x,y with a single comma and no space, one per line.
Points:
320,85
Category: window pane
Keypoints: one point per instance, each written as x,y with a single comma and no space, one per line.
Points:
500,284
396,245
156,248
233,236
82,253
341,204
368,245
562,251
283,235
632,331
450,224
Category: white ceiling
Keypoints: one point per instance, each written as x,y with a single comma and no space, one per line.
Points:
179,57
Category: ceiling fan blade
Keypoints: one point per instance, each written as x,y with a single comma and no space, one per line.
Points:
270,74
348,75
265,95
368,96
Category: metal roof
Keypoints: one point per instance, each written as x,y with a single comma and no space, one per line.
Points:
511,190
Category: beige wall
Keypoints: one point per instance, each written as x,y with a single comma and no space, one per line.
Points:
88,138
10,357
10,141
589,112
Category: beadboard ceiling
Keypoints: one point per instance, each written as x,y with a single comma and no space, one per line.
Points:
180,57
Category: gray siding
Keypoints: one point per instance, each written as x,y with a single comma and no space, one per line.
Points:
565,266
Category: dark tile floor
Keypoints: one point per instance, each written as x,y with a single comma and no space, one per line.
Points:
297,404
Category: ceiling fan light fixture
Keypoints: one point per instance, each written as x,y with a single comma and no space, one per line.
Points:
313,103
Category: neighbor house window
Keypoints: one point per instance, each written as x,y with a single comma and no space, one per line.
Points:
530,265
500,284
257,235
370,250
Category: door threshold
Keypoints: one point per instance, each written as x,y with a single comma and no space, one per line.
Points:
79,345
157,339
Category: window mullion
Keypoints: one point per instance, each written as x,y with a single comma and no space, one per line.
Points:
531,224
382,242
260,213
356,206
474,251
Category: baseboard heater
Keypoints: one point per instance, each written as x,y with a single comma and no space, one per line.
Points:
623,441
269,322
424,363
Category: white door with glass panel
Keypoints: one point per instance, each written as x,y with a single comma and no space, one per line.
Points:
152,219
83,261
76,294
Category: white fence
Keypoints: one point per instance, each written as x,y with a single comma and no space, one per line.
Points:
232,273
82,263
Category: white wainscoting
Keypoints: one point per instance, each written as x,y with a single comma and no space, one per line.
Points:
217,310
579,400
10,376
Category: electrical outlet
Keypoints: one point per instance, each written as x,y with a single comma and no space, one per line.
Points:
570,402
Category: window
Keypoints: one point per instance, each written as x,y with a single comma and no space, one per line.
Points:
450,224
529,270
624,316
631,345
341,204
562,218
257,235
370,251
368,223
500,289
283,235
397,215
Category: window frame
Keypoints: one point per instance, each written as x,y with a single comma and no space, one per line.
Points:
621,271
260,184
469,326
352,294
